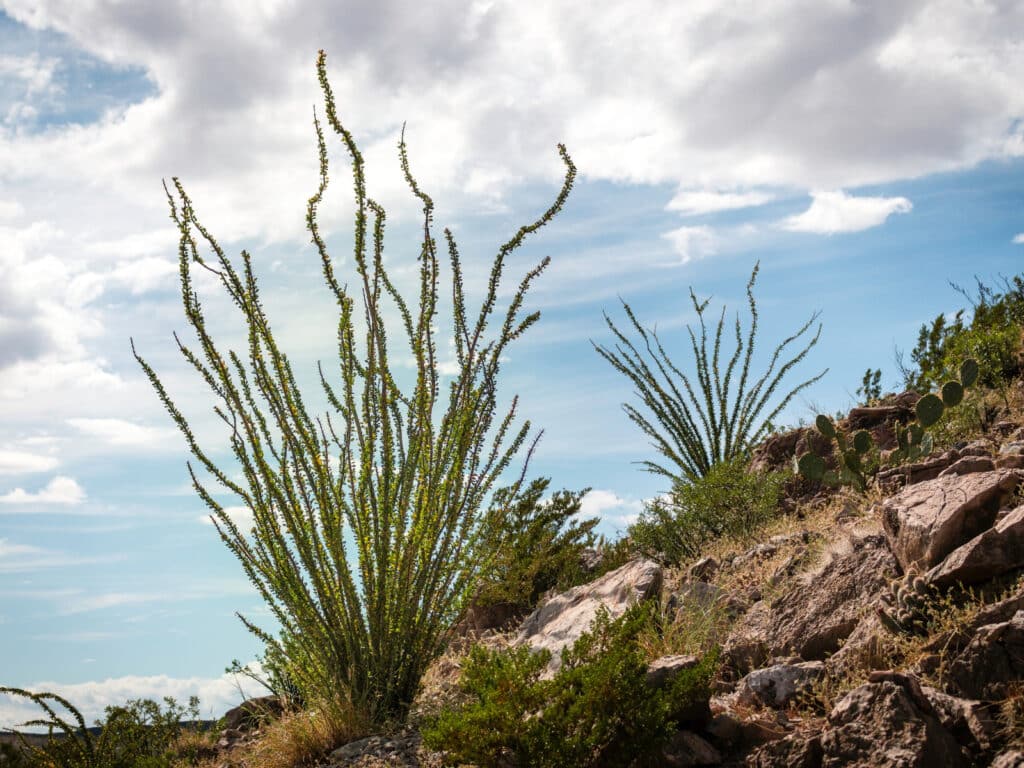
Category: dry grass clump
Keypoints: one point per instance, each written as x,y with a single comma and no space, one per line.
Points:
297,739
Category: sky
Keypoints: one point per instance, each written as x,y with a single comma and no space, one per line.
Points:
867,154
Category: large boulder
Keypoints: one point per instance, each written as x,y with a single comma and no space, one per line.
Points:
885,725
992,663
927,521
559,621
998,550
812,617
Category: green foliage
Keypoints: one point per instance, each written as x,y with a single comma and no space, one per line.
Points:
137,735
993,338
695,428
728,501
870,389
538,545
596,711
367,530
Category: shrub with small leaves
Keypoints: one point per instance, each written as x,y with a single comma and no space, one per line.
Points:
538,545
728,501
598,710
139,734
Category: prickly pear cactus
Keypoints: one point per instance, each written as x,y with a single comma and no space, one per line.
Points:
912,441
850,451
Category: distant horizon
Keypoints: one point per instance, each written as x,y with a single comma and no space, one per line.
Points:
866,157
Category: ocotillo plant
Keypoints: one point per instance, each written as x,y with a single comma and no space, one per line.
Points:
696,428
367,534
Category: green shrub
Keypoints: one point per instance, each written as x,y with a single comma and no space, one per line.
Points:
728,501
367,534
992,337
538,545
596,711
138,734
697,425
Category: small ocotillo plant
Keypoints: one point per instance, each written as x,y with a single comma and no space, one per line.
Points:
367,534
697,427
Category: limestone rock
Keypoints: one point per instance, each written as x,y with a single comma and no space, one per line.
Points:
927,521
790,752
882,725
918,472
996,551
812,617
1012,759
558,622
992,662
968,465
687,749
779,684
663,671
971,722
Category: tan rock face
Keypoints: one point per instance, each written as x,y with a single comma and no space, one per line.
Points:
559,621
998,550
992,662
927,521
811,619
883,725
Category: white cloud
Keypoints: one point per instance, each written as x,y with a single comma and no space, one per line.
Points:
119,432
1019,239
608,505
693,242
240,516
835,212
694,203
22,462
216,694
60,490
23,558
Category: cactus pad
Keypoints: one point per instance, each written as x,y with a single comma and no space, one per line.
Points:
969,372
825,426
811,466
952,393
862,441
929,410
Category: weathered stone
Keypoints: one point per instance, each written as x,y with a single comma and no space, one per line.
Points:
1012,448
969,465
927,521
970,722
1010,461
559,621
703,569
251,713
791,752
882,725
996,551
779,684
1012,759
918,472
687,749
977,448
954,641
663,671
481,618
732,731
812,616
992,663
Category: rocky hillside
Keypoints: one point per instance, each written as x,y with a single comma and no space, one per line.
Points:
876,629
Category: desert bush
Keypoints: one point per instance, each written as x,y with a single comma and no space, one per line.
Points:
139,734
367,522
695,428
992,337
728,501
538,545
596,711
